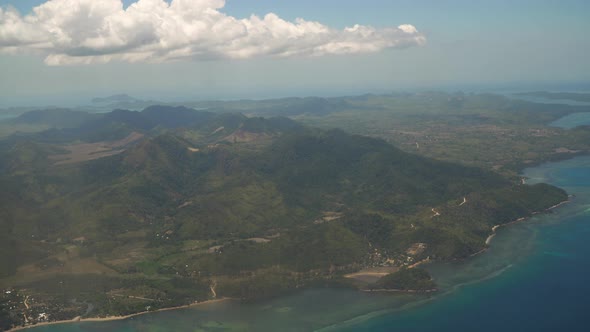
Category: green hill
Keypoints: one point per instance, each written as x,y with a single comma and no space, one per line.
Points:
241,202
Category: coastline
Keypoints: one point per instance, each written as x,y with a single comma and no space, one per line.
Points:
481,274
196,304
115,318
409,291
418,263
495,228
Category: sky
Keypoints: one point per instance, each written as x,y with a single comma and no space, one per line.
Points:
68,51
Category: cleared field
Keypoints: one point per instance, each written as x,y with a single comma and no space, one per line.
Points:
373,274
89,151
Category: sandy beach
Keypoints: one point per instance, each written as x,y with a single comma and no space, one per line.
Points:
489,239
495,228
113,318
365,275
424,261
399,290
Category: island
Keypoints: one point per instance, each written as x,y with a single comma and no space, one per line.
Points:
114,214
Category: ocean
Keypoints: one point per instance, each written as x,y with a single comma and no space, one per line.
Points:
534,277
544,287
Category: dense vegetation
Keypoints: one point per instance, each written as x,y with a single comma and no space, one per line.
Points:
185,205
575,96
483,130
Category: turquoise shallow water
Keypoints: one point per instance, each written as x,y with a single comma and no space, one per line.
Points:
533,278
573,120
546,288
5,116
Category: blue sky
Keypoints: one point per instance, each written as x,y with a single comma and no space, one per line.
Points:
468,43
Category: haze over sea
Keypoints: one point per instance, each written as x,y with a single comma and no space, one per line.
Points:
533,278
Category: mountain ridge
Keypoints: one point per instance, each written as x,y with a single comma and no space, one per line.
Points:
258,206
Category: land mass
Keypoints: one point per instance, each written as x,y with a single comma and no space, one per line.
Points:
582,97
405,280
109,214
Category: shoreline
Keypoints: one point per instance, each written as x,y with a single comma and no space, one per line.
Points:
495,228
116,318
418,263
408,291
196,304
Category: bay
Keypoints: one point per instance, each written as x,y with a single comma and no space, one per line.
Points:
572,120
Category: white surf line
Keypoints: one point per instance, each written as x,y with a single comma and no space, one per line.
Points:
557,205
495,228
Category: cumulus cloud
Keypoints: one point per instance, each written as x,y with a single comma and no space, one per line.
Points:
92,31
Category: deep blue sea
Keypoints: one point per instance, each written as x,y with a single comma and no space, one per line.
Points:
546,290
535,277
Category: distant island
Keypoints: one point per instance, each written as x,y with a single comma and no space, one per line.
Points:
118,213
120,98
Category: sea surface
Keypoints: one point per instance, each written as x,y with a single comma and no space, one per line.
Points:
573,120
6,116
534,277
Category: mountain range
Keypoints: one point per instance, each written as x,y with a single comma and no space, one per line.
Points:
171,195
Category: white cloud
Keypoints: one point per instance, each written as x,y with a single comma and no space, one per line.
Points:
100,31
